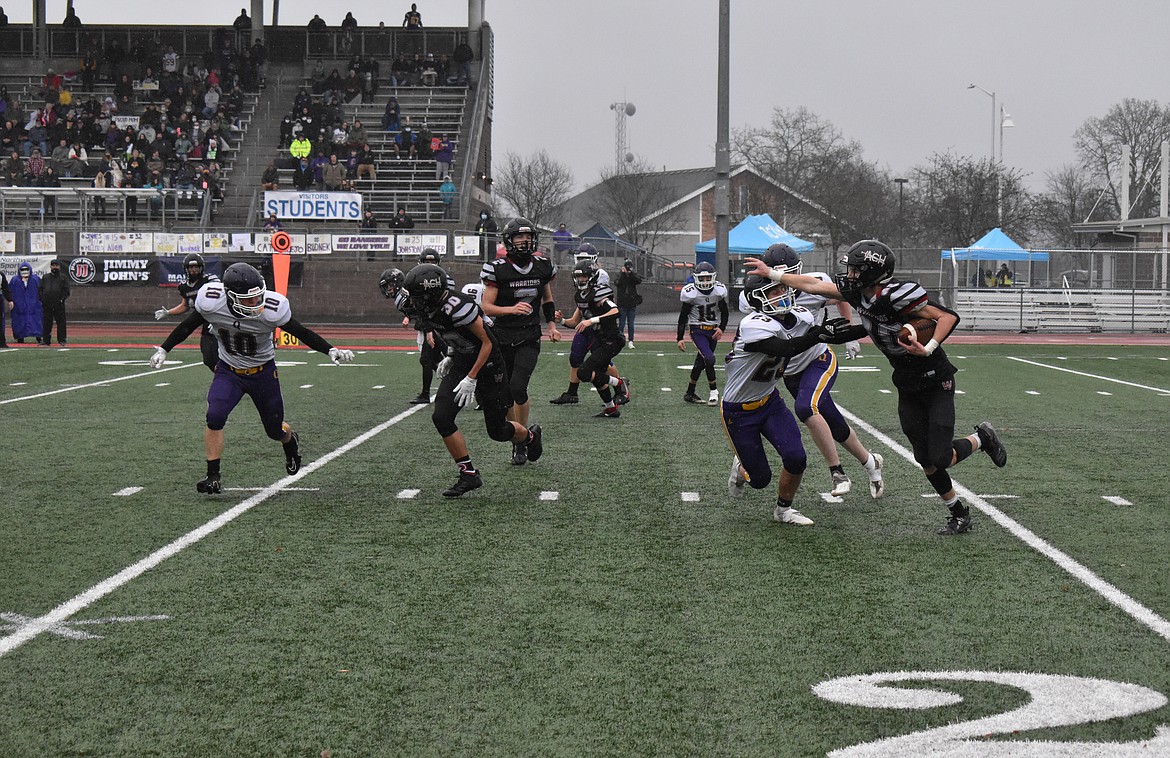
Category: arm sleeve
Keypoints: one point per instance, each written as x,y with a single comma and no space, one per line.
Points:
183,330
550,311
683,313
783,347
724,314
311,339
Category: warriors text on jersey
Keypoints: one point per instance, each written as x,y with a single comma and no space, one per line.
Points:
704,305
750,375
519,284
244,342
598,301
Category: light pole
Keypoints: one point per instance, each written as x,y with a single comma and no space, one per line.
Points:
992,96
1005,121
901,182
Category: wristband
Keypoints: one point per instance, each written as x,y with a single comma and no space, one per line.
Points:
550,311
930,346
595,321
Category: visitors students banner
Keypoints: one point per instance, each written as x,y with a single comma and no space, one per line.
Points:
314,206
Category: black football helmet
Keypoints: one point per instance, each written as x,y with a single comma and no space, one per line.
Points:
587,252
782,256
520,252
867,263
244,283
426,285
767,296
585,275
429,255
391,282
705,277
193,261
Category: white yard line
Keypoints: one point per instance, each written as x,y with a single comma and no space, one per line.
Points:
55,617
152,372
1091,376
1139,612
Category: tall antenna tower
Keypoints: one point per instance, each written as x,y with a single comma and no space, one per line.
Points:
621,150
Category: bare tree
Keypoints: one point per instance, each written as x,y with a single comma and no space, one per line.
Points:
1141,124
631,203
1070,197
533,186
957,200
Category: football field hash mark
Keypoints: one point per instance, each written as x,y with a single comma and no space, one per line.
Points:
548,495
127,491
1116,500
408,494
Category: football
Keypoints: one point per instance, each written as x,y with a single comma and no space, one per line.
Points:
917,329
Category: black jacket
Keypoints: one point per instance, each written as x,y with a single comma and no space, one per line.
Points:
54,289
626,289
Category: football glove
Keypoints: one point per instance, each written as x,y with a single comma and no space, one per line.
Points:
161,313
159,358
339,356
465,391
852,349
443,368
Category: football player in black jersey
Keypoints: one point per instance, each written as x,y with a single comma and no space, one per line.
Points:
517,292
474,370
597,311
197,276
923,376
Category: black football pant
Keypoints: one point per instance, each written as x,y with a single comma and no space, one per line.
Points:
53,314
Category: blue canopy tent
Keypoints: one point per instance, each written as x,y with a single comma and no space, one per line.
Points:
752,236
993,246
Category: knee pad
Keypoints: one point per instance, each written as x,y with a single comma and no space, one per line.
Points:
940,480
760,480
585,374
502,432
796,465
444,420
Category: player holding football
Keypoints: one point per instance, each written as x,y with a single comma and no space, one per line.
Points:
243,315
923,376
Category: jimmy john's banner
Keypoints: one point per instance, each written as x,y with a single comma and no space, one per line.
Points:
101,271
412,245
313,206
363,243
161,271
166,243
91,243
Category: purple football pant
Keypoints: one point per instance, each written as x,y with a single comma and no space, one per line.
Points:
228,388
747,430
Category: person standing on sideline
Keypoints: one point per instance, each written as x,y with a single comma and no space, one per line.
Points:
628,300
704,311
244,316
923,376
27,314
54,291
5,305
486,228
197,276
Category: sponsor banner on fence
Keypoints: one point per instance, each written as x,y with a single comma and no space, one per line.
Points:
263,244
42,242
317,206
90,243
7,242
84,270
318,244
466,245
10,263
363,243
170,273
412,245
167,243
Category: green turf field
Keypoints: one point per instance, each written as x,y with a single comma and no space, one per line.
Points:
610,599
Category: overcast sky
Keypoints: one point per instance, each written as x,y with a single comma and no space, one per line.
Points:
891,74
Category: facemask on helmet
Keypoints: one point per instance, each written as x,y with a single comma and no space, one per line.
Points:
193,266
768,297
520,237
867,263
245,290
705,277
584,276
390,282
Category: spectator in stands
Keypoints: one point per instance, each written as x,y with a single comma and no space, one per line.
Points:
77,160
369,221
3,18
318,163
101,181
333,174
155,182
48,179
242,23
51,84
124,91
318,77
988,278
402,220
391,116
71,20
562,242
444,156
10,136
60,155
183,145
183,177
272,223
339,138
208,181
317,24
400,71
423,145
486,228
448,193
211,100
270,179
351,163
13,170
302,177
38,134
404,142
155,163
443,69
286,131
367,164
351,87
357,134
35,165
89,69
334,85
428,73
170,60
301,147
349,22
412,19
463,58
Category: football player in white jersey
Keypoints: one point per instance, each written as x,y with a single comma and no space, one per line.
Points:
923,376
704,312
244,315
752,410
809,377
582,340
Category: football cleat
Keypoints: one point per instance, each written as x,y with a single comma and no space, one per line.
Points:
989,441
713,398
608,413
565,399
957,525
736,480
877,487
519,453
536,444
691,397
630,345
784,515
841,484
292,454
424,398
622,391
467,482
209,485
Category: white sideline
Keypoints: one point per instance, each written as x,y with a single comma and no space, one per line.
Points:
152,372
54,617
1103,588
1091,376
